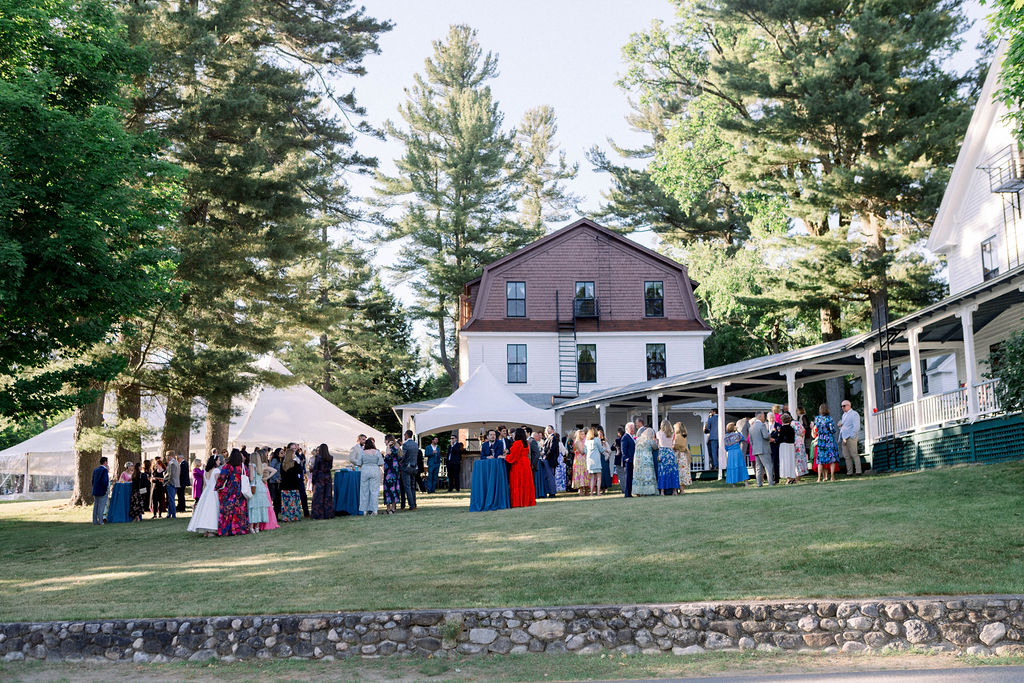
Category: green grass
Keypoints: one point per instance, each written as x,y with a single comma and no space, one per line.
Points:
950,531
539,667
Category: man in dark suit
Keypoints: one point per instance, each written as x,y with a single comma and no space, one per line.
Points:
493,447
184,481
454,464
408,468
550,462
628,450
100,485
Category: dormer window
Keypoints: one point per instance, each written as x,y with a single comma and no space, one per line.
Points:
654,299
515,299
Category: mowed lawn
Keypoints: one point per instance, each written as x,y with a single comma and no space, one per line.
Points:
951,531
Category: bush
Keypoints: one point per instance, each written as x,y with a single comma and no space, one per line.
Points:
1007,363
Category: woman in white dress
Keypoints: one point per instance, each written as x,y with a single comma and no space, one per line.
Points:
206,513
594,452
369,461
787,450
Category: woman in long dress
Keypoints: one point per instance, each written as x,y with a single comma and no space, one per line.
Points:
560,478
594,455
645,478
824,431
606,461
198,475
206,513
322,506
580,476
668,468
369,461
800,448
234,508
520,479
787,449
260,501
291,482
736,465
137,502
682,450
392,484
159,503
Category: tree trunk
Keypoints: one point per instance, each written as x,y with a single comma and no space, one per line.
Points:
835,388
218,422
177,425
325,355
129,407
89,415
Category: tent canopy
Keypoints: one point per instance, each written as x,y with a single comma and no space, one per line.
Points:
297,413
481,402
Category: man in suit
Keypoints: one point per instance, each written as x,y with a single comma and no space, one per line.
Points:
100,485
711,429
183,483
550,462
628,451
171,480
454,464
760,448
433,464
408,468
493,447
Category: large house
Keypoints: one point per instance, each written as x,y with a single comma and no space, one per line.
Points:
579,310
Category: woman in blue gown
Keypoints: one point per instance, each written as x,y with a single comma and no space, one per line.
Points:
736,465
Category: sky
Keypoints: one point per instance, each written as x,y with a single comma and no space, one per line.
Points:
562,53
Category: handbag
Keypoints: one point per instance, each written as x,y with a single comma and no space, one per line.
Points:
246,486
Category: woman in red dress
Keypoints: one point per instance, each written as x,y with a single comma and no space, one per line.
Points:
520,481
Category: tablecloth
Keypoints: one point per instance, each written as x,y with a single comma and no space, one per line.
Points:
120,499
346,492
489,487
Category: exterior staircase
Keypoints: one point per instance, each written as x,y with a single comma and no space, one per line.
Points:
568,382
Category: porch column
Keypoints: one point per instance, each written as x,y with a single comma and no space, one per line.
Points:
791,397
915,374
966,315
558,423
720,389
654,410
602,413
869,396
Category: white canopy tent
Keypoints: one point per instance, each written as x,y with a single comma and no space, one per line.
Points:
481,402
297,413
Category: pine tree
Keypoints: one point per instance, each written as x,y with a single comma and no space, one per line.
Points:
453,183
544,172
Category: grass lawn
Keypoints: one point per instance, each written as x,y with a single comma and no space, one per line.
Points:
539,667
950,531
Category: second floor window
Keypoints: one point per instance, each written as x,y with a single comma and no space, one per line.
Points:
654,299
515,299
516,363
989,262
585,305
586,363
655,361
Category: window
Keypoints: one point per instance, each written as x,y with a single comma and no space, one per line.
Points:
586,363
516,363
654,299
655,361
585,306
989,262
584,290
515,299
924,377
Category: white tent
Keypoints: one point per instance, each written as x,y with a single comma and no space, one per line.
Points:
481,402
297,413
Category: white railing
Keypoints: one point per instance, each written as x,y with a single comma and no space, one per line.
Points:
952,406
988,399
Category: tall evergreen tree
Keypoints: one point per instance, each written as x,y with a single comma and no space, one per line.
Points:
544,197
453,183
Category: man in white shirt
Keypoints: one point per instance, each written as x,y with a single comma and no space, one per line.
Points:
849,430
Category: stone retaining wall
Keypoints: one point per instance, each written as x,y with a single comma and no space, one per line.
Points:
976,625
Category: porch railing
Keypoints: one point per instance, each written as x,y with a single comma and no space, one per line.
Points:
938,409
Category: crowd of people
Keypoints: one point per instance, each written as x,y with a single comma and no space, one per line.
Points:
236,492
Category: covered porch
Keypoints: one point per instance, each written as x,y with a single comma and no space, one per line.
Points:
968,326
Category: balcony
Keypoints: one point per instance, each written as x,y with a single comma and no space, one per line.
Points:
589,308
936,410
1005,171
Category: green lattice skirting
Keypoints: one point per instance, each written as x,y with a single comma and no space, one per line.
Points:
995,440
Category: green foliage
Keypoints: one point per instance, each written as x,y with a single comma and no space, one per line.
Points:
1007,365
1007,22
544,171
84,203
456,185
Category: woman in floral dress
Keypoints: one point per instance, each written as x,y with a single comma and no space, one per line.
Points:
291,482
668,467
560,471
824,431
580,476
800,448
682,449
391,483
140,488
645,477
234,511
